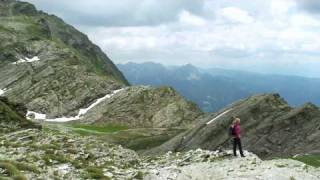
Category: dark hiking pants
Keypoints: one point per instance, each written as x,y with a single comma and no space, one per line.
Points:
237,142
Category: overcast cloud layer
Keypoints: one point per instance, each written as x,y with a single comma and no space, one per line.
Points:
269,36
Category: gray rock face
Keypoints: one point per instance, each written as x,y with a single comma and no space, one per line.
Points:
145,107
270,127
49,65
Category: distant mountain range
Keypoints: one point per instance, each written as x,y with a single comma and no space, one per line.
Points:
214,88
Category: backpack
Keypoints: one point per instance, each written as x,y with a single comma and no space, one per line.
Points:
232,131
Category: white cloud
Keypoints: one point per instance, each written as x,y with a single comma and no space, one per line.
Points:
187,18
281,7
120,12
304,20
264,35
236,14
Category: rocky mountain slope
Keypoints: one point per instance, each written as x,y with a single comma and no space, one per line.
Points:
145,107
49,65
271,128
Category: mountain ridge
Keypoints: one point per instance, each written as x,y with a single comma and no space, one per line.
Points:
271,128
214,88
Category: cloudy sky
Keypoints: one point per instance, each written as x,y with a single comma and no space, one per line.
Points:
269,36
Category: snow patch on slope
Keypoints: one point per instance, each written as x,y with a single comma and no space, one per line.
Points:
223,113
2,91
39,116
27,60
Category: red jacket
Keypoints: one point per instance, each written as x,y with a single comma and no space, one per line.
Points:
237,130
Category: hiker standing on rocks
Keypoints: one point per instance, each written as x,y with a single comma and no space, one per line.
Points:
236,132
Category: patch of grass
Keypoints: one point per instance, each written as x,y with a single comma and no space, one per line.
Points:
45,147
92,129
96,173
139,175
23,166
19,177
11,171
78,164
292,178
50,157
312,160
147,142
85,132
281,165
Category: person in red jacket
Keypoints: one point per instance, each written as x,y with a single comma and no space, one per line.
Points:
237,137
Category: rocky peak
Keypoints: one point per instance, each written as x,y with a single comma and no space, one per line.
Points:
13,7
310,106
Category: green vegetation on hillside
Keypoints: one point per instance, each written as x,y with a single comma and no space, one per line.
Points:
136,139
312,160
84,129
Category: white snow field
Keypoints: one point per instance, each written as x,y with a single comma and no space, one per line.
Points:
28,60
39,116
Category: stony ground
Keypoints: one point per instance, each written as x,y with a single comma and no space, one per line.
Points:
53,154
205,165
48,154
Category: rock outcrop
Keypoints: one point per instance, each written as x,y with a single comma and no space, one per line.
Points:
49,65
144,106
12,116
271,128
